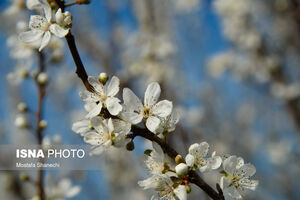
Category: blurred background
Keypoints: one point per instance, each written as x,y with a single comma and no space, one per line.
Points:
229,66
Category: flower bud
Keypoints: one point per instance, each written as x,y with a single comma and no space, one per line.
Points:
181,169
24,73
59,16
43,124
22,107
179,159
102,77
21,122
42,78
130,146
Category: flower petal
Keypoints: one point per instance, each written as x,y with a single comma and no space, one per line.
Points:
190,160
249,184
31,36
81,126
113,105
152,94
246,170
162,108
73,191
131,117
45,40
95,111
96,84
152,123
113,86
180,192
110,126
230,164
199,150
58,30
132,102
38,22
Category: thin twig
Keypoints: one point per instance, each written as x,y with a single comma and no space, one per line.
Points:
39,130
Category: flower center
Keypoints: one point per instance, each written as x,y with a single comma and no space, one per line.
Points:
146,112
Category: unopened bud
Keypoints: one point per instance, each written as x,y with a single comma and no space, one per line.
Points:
188,188
181,169
43,124
179,159
24,73
21,122
130,146
59,16
24,177
22,107
102,77
42,78
83,1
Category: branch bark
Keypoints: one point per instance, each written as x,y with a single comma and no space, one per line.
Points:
39,131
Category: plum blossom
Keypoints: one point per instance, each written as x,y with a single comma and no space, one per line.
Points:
61,190
196,157
157,162
106,133
236,177
134,111
103,96
165,188
41,27
168,124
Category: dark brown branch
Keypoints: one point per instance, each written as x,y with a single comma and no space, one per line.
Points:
80,70
193,176
39,130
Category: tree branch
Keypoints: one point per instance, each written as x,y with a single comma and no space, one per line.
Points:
193,176
39,130
137,131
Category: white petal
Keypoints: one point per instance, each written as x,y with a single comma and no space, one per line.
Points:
47,10
72,191
180,192
95,111
113,86
152,123
152,94
230,164
81,126
100,125
58,30
162,108
38,22
31,36
190,160
45,40
199,150
246,170
96,84
157,148
97,150
33,4
121,126
93,138
249,184
110,126
131,117
113,105
132,102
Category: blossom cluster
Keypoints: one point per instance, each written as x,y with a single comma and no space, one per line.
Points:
108,123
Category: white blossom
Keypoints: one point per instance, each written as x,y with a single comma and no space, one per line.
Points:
106,133
103,96
197,156
61,190
41,28
168,124
134,111
157,162
164,186
237,176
